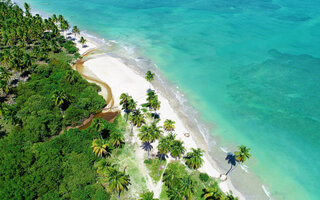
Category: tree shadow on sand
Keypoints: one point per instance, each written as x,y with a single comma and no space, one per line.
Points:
231,159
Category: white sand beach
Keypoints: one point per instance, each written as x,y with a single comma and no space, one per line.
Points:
123,79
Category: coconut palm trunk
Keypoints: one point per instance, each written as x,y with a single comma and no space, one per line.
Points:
126,111
131,122
131,128
155,115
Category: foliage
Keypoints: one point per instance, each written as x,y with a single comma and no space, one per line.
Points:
194,158
147,146
82,40
169,125
163,149
177,149
149,76
243,154
213,193
148,161
47,96
179,184
125,158
204,177
177,176
101,147
138,118
61,167
147,196
75,30
118,181
153,167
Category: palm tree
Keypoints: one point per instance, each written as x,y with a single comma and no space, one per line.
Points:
55,30
147,146
82,41
60,18
212,193
177,149
64,25
145,134
5,77
116,139
168,125
150,95
131,107
243,154
230,196
54,46
163,149
149,76
27,60
155,131
54,18
27,7
155,105
188,187
5,56
194,159
118,181
3,109
98,126
59,97
169,178
175,193
10,115
4,85
147,196
171,136
100,147
75,30
124,99
137,118
70,76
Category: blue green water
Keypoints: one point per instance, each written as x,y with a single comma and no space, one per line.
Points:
251,67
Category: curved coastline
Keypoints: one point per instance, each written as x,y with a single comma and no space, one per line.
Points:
191,124
215,155
172,94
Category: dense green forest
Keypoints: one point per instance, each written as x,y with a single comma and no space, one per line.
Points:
40,96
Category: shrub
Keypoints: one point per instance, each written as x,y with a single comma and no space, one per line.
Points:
204,177
148,161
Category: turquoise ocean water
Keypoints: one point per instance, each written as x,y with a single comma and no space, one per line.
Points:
250,67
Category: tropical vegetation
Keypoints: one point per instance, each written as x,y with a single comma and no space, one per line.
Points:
42,100
194,158
149,76
41,95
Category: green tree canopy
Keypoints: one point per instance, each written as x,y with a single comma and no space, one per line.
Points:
149,76
243,154
194,158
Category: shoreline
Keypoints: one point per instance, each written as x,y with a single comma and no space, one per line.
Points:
123,78
161,84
